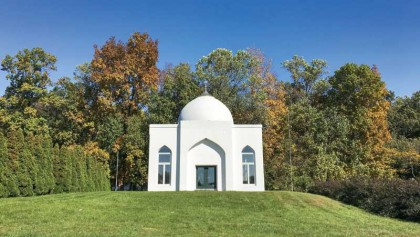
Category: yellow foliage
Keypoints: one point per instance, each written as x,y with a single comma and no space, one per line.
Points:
92,149
276,111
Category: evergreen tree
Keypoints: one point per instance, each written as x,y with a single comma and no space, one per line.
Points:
8,176
71,163
62,172
81,168
19,157
47,164
33,153
90,173
4,192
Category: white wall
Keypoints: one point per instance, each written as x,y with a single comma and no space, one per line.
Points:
162,135
193,133
248,135
214,143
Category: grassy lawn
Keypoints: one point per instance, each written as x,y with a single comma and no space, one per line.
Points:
191,214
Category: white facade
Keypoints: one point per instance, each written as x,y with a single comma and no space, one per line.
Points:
205,150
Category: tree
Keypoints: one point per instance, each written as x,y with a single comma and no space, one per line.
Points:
304,75
47,163
136,152
358,93
178,86
231,79
109,131
62,172
274,140
405,154
33,160
4,169
67,113
109,135
28,72
99,160
19,158
124,75
404,116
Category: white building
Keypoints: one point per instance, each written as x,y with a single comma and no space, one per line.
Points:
205,150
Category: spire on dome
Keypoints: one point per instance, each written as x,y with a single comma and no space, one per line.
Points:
205,88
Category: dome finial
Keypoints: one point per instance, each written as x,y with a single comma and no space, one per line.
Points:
205,88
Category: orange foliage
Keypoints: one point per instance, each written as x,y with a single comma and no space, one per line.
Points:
125,74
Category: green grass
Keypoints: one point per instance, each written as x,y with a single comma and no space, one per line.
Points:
192,214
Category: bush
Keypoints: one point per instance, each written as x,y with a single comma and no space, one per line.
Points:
387,197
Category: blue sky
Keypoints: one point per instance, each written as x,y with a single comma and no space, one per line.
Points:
385,33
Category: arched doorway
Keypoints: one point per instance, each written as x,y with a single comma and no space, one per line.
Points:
206,166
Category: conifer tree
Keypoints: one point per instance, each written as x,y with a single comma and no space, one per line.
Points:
72,170
48,163
18,155
81,168
4,192
90,173
33,157
62,171
7,176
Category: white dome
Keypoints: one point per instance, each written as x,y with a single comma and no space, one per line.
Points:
205,108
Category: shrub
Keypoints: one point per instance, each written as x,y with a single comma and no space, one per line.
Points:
388,197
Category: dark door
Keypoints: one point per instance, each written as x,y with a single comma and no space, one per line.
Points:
206,177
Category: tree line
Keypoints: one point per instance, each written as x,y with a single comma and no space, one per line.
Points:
316,126
31,165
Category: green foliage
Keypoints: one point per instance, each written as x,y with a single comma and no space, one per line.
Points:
4,169
338,126
178,86
47,163
304,74
67,113
31,165
318,139
17,157
406,157
136,145
404,116
109,131
358,93
235,80
393,198
28,72
62,172
8,168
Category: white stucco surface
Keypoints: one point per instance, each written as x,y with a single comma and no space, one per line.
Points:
205,136
205,108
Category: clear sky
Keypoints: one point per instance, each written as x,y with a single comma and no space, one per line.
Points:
385,33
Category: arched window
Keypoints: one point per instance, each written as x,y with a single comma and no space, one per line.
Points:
165,156
248,165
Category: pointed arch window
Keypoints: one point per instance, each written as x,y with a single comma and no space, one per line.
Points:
248,165
165,157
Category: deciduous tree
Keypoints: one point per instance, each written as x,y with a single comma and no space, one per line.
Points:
358,93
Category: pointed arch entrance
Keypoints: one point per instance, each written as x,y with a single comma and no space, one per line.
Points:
206,162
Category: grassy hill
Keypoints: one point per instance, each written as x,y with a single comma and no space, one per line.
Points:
191,214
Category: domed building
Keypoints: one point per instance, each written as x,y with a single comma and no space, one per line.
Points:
205,151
